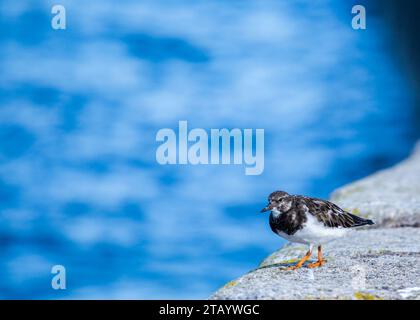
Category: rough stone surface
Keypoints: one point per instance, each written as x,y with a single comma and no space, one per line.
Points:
378,262
368,264
390,197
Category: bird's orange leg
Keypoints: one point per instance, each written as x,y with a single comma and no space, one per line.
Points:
320,261
301,261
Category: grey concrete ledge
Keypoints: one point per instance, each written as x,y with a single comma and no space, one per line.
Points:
368,264
389,197
372,263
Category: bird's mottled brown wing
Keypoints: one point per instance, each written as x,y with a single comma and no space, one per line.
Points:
332,215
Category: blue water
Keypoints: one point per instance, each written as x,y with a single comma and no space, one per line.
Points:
80,108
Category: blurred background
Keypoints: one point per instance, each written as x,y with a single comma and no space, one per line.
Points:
80,109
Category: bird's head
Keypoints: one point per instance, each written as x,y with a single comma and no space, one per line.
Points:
274,199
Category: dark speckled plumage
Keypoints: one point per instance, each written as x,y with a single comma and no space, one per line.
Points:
294,211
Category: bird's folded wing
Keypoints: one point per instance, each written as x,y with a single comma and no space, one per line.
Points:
331,215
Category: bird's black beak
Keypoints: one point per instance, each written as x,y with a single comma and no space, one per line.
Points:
267,208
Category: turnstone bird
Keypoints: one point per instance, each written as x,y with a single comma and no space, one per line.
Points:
309,221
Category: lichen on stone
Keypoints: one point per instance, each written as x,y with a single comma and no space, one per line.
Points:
366,296
230,284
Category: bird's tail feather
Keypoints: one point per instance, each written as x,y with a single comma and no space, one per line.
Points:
358,221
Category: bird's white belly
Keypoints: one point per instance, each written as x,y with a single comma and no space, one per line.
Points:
314,232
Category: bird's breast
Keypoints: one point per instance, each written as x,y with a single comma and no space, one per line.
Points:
286,222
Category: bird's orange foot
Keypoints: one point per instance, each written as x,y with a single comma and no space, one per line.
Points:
301,261
317,264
